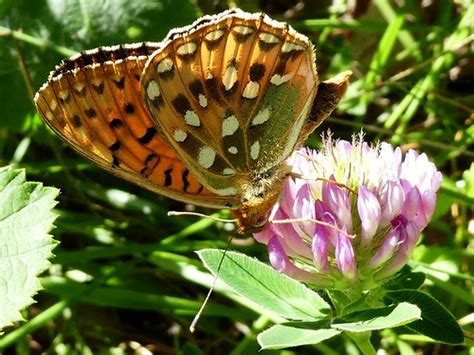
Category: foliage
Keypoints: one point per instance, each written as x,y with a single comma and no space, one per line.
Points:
25,219
126,274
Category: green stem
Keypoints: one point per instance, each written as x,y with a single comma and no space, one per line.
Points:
362,341
247,345
39,321
37,42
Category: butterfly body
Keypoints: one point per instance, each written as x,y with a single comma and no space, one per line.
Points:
208,116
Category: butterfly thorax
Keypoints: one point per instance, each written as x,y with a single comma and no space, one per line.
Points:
259,194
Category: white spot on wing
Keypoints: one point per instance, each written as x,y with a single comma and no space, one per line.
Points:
187,48
214,35
289,46
228,172
227,191
53,105
243,30
268,38
79,87
233,150
152,90
229,126
63,95
206,157
255,150
261,117
164,65
202,100
229,78
278,79
192,119
179,135
251,90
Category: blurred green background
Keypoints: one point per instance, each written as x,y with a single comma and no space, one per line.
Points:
125,276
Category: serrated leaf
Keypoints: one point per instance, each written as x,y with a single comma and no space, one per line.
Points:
283,336
437,322
97,23
25,246
379,318
265,286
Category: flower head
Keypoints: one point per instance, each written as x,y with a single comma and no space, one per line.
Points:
356,213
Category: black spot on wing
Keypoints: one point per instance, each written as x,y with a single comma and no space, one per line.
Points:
129,108
90,112
212,87
200,189
196,88
116,123
257,71
65,99
120,83
241,37
148,136
184,177
76,121
280,68
150,164
181,104
115,161
157,102
99,88
80,91
115,146
168,178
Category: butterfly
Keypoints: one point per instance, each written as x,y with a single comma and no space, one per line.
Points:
208,116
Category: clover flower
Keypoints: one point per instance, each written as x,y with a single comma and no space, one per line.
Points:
353,215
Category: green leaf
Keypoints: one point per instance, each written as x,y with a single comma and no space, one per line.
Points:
437,322
265,286
25,245
406,279
283,336
379,318
381,56
103,22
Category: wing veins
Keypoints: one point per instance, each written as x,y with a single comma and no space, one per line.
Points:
284,136
98,105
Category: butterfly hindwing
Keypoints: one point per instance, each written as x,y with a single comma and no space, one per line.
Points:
231,97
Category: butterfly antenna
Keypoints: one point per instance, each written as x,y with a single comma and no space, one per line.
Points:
192,327
176,213
312,220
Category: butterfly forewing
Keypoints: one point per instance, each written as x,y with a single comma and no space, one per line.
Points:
231,96
94,102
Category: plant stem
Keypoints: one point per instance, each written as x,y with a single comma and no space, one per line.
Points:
362,341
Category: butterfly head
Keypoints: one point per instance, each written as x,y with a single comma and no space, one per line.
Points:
259,195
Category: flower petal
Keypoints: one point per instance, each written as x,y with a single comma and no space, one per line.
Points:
369,210
280,261
345,258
